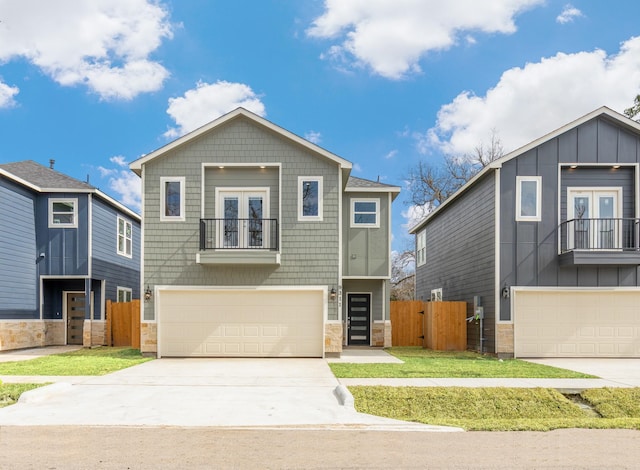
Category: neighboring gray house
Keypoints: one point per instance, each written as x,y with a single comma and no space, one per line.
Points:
63,241
547,241
260,243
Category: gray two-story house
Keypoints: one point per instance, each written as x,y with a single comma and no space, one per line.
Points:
66,248
259,243
546,240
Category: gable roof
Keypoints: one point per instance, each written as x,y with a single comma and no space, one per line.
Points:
136,166
603,111
355,184
43,179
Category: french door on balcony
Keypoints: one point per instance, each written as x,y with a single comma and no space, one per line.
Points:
243,213
596,218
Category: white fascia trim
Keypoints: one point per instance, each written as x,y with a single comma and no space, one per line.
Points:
389,234
390,189
364,278
340,248
142,279
515,289
602,111
90,235
53,276
241,288
496,261
136,165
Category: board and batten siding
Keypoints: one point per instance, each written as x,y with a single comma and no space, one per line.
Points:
18,268
529,250
107,264
460,256
366,249
66,249
309,250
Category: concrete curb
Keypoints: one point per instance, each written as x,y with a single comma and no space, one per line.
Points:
38,395
344,396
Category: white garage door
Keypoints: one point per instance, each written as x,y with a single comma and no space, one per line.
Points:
577,323
241,323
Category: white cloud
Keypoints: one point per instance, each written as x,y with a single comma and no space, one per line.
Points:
357,168
531,101
313,136
391,154
391,36
207,102
6,95
122,181
569,13
102,44
415,214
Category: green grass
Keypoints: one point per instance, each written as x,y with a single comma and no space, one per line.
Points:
614,402
493,409
98,361
9,393
419,362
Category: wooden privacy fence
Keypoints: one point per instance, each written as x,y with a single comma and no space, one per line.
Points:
406,322
123,324
440,326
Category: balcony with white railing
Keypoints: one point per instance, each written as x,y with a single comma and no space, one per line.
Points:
606,241
239,241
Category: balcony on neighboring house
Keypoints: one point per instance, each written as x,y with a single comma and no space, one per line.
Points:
239,241
600,242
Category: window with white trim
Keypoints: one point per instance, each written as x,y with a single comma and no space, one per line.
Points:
125,237
63,213
172,198
124,294
528,198
309,198
421,248
365,213
436,295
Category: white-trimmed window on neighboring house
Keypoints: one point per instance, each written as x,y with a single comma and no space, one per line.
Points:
309,198
172,198
365,213
528,198
124,294
125,237
421,248
63,213
436,295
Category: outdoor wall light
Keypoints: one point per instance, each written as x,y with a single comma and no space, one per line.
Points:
505,292
147,294
333,293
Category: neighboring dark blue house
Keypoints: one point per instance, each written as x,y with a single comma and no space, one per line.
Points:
65,248
547,241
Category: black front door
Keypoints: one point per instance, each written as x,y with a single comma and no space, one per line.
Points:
359,319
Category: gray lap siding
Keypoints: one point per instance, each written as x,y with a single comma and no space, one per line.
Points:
460,256
18,269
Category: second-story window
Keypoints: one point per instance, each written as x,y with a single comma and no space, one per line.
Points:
172,198
63,213
310,198
365,213
124,237
421,248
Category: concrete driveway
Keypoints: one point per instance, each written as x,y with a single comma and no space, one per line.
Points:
203,392
620,371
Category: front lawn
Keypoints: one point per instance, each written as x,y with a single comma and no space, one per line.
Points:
425,363
97,361
500,409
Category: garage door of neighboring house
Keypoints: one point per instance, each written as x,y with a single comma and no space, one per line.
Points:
241,323
577,323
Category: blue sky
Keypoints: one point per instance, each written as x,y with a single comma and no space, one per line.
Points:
95,84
